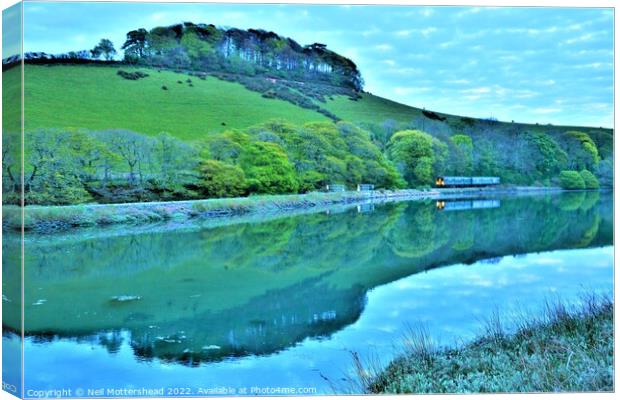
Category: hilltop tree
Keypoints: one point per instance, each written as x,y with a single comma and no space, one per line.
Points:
136,45
105,48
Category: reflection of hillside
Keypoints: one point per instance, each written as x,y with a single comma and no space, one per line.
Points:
259,288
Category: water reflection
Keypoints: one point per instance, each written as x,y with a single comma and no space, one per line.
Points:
216,295
457,205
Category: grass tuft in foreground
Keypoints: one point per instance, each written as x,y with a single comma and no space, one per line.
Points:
564,350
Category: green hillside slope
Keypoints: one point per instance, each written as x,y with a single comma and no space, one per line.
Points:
97,98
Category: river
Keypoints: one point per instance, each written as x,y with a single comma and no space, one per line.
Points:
279,305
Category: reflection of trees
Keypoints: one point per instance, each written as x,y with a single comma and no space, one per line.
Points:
275,321
571,201
590,200
257,288
417,233
590,233
464,238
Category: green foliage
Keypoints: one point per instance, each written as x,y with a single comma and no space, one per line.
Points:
589,180
550,158
207,48
461,157
605,172
571,180
268,169
218,179
104,48
325,153
52,174
582,149
441,155
412,152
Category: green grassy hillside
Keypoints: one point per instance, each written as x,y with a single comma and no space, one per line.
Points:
97,98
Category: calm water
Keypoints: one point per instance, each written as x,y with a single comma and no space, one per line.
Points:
282,303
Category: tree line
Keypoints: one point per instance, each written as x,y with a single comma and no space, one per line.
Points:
207,48
524,155
72,166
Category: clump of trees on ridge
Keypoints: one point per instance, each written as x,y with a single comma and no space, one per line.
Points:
249,52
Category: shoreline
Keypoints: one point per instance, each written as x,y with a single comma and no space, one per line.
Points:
52,219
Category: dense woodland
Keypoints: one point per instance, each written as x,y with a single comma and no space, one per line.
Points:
77,166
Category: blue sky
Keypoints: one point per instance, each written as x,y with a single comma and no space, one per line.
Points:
547,65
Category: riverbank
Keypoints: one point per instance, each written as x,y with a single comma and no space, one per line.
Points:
562,351
47,219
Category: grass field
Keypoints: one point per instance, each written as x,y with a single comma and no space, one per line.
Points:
371,109
96,98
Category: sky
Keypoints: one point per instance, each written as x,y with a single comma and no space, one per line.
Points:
546,65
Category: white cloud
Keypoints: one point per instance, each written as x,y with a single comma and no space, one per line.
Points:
405,71
383,47
447,44
586,37
158,16
423,32
371,32
458,81
525,94
427,12
544,110
467,11
594,65
478,90
427,31
81,39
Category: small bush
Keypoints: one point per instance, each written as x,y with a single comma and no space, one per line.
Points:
589,179
571,180
132,76
164,87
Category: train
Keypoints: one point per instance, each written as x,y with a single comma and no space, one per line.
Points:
466,181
